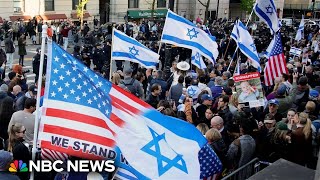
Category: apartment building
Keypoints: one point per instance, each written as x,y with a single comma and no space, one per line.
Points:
47,10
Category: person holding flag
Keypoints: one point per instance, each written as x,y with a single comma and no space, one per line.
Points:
245,43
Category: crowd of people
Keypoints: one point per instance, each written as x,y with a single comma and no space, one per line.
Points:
286,126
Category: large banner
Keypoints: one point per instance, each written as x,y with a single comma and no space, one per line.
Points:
249,89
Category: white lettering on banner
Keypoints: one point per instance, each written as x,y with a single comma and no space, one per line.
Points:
246,76
75,166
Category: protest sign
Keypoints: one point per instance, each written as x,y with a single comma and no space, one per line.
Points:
249,89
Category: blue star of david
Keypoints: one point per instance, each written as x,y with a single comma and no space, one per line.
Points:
253,47
161,160
133,51
191,91
269,10
192,33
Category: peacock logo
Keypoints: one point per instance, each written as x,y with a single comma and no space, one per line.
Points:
18,166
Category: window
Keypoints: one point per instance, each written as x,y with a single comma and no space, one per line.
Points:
49,5
133,3
18,6
162,3
75,3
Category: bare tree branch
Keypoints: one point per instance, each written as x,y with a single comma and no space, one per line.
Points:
202,3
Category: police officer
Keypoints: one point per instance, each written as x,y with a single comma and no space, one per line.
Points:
99,56
36,64
86,55
76,53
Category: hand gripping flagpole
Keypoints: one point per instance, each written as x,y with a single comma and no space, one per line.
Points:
36,123
238,46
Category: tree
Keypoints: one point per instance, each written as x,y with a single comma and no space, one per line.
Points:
206,11
80,11
153,4
247,5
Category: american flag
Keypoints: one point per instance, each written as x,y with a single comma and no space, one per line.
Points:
81,108
210,164
276,64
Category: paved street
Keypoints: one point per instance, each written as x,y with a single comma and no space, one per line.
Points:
31,51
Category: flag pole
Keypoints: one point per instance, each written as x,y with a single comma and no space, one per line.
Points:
111,59
238,46
36,123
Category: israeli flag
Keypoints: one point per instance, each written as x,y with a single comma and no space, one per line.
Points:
266,11
295,51
155,146
299,34
129,49
245,43
196,59
183,33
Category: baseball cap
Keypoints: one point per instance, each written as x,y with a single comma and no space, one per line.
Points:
313,94
33,89
5,158
274,101
282,126
281,90
206,97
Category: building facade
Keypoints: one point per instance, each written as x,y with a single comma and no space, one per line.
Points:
47,10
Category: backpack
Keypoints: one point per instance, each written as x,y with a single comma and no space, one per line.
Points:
131,87
3,56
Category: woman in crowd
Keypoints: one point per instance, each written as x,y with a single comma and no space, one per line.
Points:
22,49
217,144
203,128
6,111
19,147
301,140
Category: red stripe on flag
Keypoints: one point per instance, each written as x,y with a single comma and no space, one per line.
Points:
70,151
78,135
115,119
131,96
122,105
78,117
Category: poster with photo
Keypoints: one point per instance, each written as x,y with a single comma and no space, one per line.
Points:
249,89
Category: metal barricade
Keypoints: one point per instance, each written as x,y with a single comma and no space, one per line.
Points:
246,170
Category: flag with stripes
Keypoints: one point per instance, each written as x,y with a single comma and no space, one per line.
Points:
300,30
123,174
276,64
85,115
295,51
129,49
181,32
196,59
267,12
52,155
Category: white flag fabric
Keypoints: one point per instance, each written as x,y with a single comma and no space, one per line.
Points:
129,49
155,145
266,11
295,51
183,33
196,59
245,43
300,30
